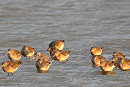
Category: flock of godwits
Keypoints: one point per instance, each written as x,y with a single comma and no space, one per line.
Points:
118,60
43,61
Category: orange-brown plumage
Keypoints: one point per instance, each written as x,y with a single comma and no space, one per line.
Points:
13,54
97,59
27,51
10,66
107,66
96,50
43,62
58,44
124,64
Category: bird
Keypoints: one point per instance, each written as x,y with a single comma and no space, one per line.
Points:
58,44
116,57
115,60
96,50
43,62
97,59
13,54
107,66
10,66
59,55
118,54
52,51
124,64
27,51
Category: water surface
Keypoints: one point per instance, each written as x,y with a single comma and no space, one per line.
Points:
81,23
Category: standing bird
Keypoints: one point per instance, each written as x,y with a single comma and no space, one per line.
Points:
118,54
43,62
13,54
107,66
10,66
97,59
52,51
116,57
124,64
96,50
59,55
58,44
115,60
27,51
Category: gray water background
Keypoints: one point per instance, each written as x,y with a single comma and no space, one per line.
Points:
81,23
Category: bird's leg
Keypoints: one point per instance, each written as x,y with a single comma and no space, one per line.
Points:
8,74
64,61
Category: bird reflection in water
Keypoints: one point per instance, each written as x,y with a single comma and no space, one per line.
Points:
40,71
108,73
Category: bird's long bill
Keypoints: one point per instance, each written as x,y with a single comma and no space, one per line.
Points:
1,66
6,53
48,49
31,59
53,55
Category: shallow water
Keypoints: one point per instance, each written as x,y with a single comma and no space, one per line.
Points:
81,23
